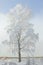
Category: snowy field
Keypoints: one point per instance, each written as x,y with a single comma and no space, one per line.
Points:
35,61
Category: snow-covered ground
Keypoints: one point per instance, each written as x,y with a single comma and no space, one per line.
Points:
36,61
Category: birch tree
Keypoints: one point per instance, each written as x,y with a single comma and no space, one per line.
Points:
21,32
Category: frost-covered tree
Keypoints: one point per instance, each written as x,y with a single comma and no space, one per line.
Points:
21,32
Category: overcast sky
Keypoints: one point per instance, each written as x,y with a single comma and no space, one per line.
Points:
36,7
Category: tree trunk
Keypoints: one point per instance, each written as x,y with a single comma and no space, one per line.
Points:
19,49
19,56
19,52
